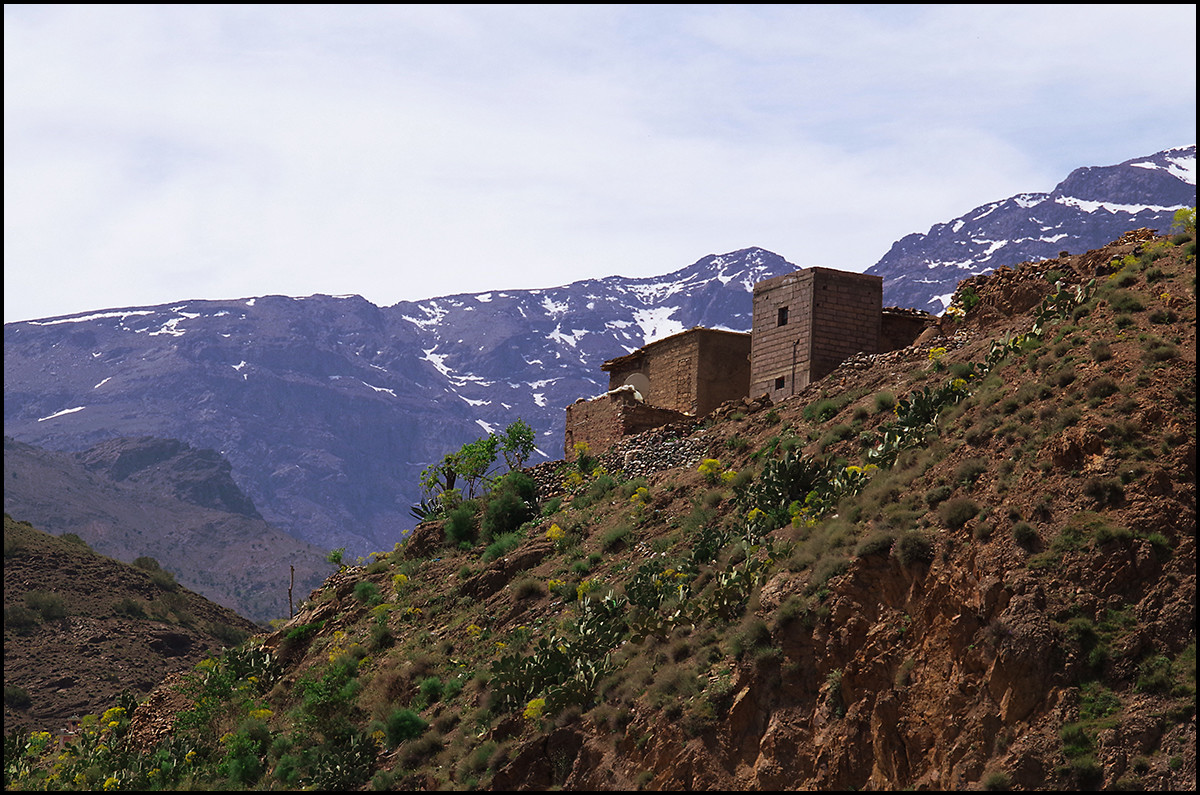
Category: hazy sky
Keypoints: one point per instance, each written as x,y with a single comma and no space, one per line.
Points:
156,154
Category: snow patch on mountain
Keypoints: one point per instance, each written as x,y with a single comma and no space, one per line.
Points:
658,323
61,413
1093,206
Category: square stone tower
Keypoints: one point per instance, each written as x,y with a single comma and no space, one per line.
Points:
807,323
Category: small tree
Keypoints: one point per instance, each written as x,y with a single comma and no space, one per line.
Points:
1185,221
475,460
516,444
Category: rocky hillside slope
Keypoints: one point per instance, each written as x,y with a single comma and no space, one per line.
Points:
967,564
81,629
129,498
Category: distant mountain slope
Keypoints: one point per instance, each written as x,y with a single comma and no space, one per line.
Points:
79,628
328,408
1091,207
129,498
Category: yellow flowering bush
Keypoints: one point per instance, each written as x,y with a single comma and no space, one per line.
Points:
535,708
556,533
584,588
640,499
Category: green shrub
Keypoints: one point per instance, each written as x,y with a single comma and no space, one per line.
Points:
20,619
1154,675
1123,302
430,690
884,401
513,502
822,410
403,724
460,524
501,547
72,538
1103,387
1025,535
957,512
130,608
997,781
50,606
914,547
1162,317
879,543
969,470
752,635
1159,351
1100,350
1105,491
16,697
367,592
615,537
938,495
529,588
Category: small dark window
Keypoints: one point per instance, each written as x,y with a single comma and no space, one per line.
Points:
779,381
782,316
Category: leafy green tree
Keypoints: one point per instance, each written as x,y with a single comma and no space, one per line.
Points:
475,461
516,444
1185,221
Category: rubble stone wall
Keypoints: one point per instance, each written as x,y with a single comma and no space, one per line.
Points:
603,421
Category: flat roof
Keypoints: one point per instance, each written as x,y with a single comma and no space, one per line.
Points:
611,363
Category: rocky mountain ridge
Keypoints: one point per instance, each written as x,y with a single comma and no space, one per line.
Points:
328,408
1092,206
81,628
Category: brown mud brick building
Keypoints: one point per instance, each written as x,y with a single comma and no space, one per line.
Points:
680,377
804,325
807,323
693,371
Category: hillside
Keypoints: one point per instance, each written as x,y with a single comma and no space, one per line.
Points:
81,628
161,498
966,564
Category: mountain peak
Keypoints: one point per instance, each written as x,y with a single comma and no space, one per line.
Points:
1092,206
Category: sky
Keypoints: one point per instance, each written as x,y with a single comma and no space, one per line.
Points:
162,153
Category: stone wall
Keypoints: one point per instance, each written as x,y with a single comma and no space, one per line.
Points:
603,421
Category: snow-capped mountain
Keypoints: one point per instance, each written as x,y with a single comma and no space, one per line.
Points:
1091,207
329,407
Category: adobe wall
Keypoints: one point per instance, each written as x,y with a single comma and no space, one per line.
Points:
846,312
900,328
603,421
668,368
780,354
830,315
724,373
691,372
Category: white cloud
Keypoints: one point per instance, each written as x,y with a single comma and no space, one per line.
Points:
160,153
